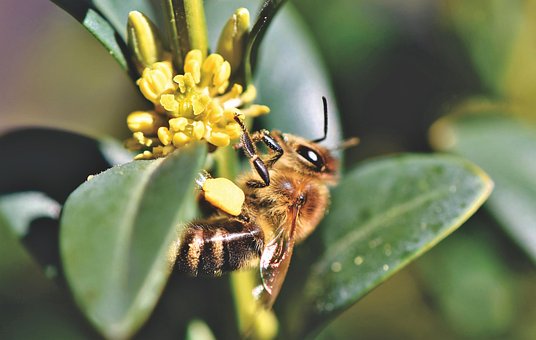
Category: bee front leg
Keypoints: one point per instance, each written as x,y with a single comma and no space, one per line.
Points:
217,245
270,142
250,151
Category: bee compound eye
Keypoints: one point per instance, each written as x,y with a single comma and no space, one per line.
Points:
311,156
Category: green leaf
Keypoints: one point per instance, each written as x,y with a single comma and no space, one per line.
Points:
18,213
266,14
107,21
291,79
62,162
383,215
20,209
116,234
506,148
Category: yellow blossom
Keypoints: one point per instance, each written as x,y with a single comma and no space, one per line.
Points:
197,104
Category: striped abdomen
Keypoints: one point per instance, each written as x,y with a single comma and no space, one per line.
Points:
218,245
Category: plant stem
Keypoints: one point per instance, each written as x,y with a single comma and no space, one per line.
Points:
187,28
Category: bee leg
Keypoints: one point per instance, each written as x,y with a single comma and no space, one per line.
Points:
214,246
270,142
250,151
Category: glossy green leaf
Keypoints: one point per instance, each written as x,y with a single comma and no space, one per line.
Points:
116,233
292,79
505,148
107,21
383,215
268,10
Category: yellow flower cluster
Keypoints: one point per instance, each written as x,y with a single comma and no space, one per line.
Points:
196,105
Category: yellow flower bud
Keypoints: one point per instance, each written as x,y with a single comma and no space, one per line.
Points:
249,95
143,40
198,130
210,66
180,139
256,110
192,64
233,38
219,138
215,112
222,75
146,122
178,124
197,105
164,135
156,80
144,155
224,195
233,130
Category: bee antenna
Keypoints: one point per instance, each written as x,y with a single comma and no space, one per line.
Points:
325,102
347,144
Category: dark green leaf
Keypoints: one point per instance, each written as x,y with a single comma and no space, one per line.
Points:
107,21
266,14
291,79
27,296
116,234
61,163
384,214
506,148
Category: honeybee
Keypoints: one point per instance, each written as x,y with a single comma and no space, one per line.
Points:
286,196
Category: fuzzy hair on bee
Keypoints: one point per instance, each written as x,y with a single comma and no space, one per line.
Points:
286,196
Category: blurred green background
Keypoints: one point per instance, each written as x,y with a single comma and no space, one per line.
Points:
396,67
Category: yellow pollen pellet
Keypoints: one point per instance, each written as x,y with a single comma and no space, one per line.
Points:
224,194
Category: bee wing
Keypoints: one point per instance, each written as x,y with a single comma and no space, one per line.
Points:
275,260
